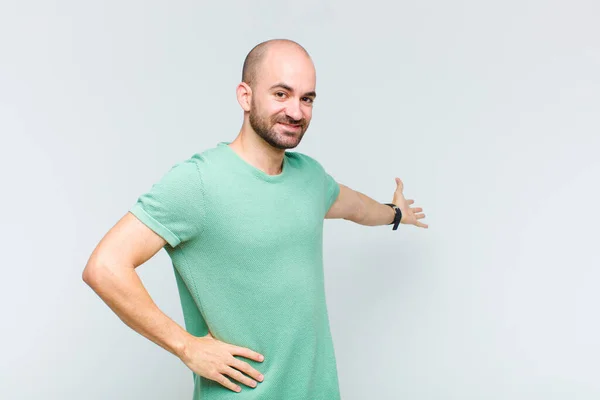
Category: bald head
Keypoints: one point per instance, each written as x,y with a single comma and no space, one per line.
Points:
256,57
277,92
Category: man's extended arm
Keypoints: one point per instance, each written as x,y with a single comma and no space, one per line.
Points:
360,208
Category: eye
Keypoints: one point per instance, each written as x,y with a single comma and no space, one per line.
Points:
309,100
280,93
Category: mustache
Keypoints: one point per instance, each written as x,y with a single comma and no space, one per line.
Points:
292,121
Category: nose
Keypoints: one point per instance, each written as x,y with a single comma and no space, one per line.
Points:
293,110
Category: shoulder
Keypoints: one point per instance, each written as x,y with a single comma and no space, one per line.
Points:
301,159
194,164
183,175
188,167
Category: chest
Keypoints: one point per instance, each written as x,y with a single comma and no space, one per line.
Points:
258,217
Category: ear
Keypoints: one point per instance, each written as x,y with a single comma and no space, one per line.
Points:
244,96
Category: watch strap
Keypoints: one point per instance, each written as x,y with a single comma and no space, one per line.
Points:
397,216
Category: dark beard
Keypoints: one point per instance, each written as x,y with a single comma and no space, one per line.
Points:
264,128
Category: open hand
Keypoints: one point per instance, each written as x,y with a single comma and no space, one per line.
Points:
213,359
410,216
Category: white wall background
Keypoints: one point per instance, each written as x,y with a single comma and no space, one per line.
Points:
487,110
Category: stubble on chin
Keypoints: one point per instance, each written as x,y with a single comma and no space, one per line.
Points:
276,139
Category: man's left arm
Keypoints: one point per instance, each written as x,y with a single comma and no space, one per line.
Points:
357,207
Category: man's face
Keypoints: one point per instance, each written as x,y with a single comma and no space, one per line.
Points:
282,98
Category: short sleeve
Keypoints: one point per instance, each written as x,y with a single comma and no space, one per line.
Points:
332,190
173,207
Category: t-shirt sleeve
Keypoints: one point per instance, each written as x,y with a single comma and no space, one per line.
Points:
332,190
173,207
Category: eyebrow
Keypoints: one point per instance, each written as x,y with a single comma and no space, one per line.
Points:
288,88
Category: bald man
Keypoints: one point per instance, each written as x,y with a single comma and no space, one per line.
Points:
242,223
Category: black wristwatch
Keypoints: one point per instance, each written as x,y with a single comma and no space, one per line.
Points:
397,217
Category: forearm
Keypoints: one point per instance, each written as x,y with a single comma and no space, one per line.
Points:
122,290
372,212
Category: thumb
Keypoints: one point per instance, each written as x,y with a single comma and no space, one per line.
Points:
399,184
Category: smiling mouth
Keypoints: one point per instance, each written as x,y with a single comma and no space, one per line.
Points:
289,125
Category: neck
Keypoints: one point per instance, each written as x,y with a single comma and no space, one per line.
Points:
255,151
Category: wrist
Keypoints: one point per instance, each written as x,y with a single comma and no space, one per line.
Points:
181,347
397,215
392,215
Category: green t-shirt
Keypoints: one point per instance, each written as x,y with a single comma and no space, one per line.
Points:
247,253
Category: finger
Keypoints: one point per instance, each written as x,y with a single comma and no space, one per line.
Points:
419,216
246,368
220,378
399,184
416,210
244,352
409,202
237,375
421,225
